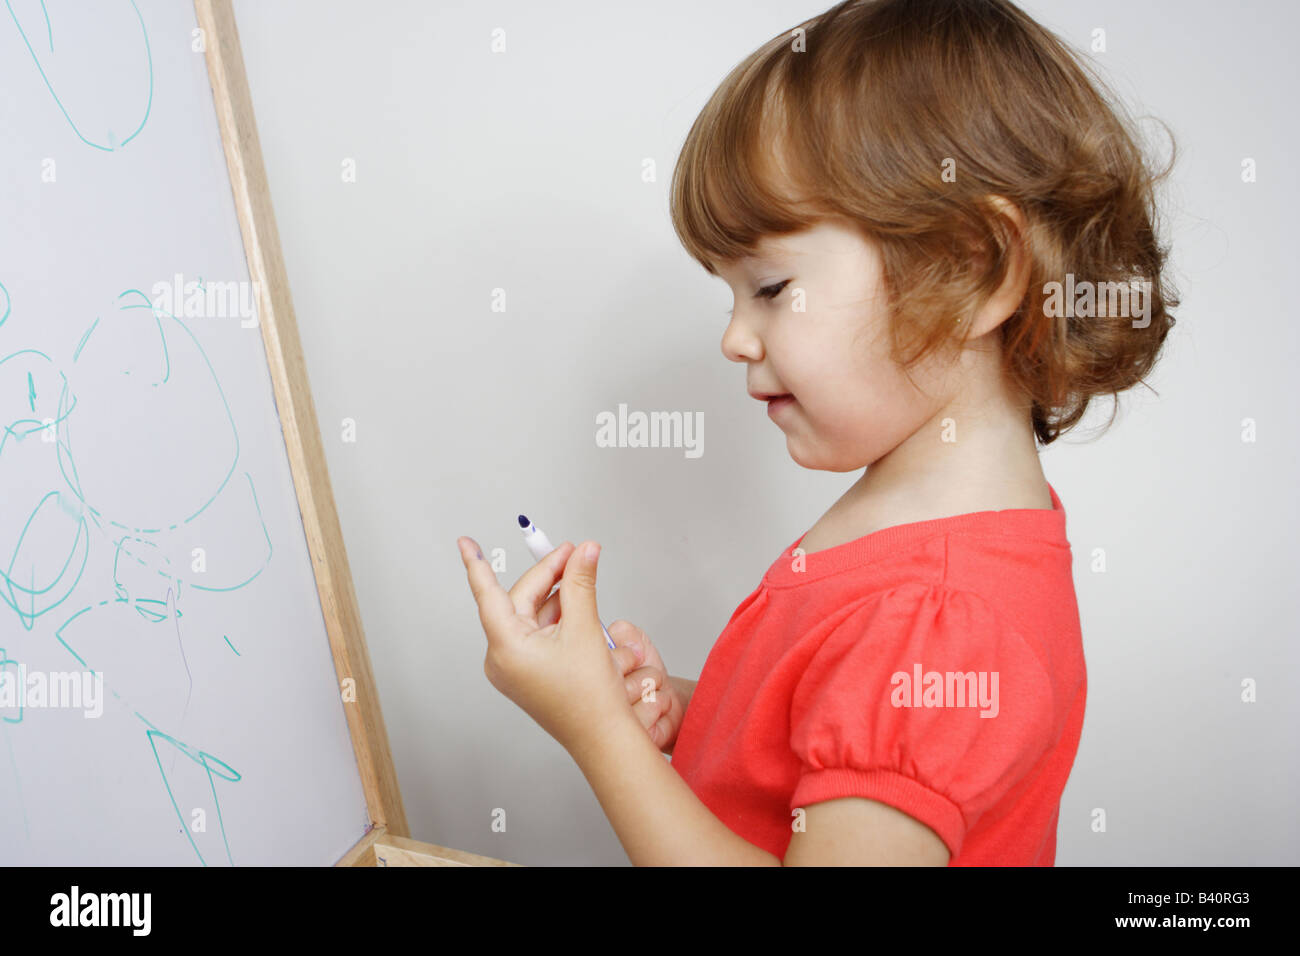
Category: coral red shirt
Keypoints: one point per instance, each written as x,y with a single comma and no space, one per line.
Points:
812,692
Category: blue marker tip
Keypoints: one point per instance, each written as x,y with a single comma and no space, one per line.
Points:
523,521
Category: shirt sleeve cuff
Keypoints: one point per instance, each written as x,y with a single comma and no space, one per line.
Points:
886,786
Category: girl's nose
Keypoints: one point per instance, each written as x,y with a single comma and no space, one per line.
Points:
740,343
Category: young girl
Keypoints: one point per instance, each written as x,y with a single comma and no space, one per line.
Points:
941,242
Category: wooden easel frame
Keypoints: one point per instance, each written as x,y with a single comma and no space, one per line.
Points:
387,843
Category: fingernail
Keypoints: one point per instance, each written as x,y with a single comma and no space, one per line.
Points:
591,551
636,649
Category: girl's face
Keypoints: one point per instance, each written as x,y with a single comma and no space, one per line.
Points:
817,332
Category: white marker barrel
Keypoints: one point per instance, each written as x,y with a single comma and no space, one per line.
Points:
538,544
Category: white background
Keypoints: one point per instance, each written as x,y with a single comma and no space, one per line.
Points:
522,171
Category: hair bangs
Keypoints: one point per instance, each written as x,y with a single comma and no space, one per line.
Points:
735,181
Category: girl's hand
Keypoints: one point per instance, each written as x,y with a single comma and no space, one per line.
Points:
562,674
653,697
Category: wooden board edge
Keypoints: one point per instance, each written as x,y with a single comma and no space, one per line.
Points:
363,851
380,848
298,413
390,850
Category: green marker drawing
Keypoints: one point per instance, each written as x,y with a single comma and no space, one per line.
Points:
32,589
108,59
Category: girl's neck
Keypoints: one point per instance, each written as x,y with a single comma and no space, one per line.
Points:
991,464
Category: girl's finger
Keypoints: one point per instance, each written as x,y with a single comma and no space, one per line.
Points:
634,633
626,634
495,609
530,591
659,732
636,685
550,612
629,645
578,585
628,652
625,658
650,713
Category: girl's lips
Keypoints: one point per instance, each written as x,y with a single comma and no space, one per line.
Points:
780,402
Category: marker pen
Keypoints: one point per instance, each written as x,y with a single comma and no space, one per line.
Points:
541,546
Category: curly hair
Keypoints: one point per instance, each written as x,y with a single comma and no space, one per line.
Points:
905,117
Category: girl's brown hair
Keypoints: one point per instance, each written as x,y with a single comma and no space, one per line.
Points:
858,113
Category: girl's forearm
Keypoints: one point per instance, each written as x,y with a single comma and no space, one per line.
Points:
658,818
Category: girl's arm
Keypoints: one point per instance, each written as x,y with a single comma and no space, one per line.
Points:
661,822
854,831
658,818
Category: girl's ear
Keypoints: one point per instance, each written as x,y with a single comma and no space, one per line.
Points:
1007,221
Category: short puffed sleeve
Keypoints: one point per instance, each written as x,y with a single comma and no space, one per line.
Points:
926,699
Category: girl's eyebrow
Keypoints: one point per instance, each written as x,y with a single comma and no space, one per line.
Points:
770,257
771,252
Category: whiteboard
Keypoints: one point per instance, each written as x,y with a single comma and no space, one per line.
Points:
167,691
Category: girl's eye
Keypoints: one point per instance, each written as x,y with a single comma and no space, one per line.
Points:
771,291
767,292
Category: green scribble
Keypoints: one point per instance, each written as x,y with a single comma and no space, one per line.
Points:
131,546
82,343
202,758
11,586
49,86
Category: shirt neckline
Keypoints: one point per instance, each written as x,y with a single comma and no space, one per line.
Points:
1043,524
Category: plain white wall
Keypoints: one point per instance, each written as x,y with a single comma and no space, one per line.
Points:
523,171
